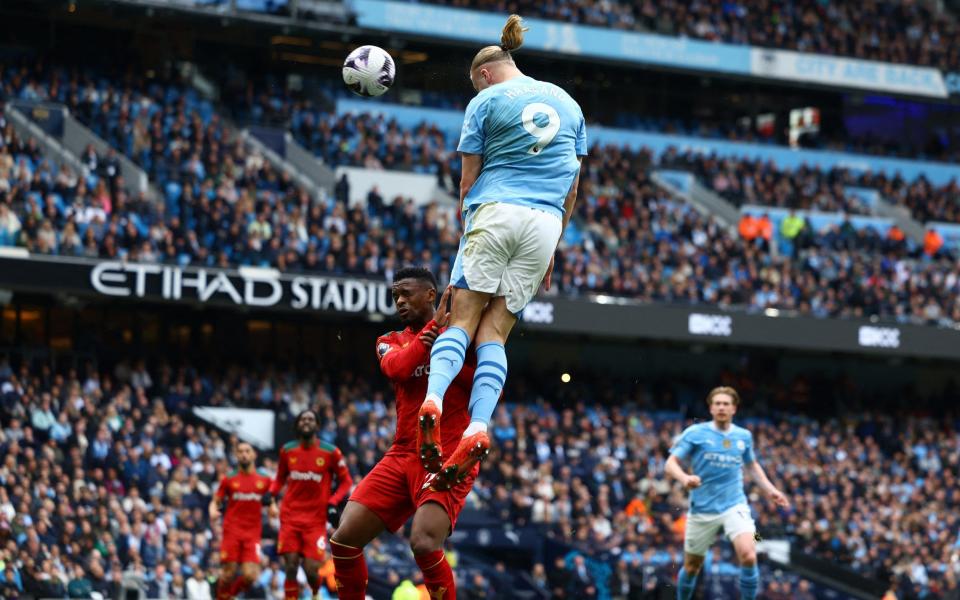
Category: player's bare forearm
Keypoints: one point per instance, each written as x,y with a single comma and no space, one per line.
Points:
778,497
571,201
760,476
344,483
281,478
674,469
214,509
470,171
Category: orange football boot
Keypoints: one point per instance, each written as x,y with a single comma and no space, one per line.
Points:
469,452
428,437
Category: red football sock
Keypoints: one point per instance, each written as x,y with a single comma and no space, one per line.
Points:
351,571
291,590
225,589
239,586
437,575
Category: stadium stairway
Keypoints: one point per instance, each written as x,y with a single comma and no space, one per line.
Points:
72,137
257,145
901,216
52,148
686,186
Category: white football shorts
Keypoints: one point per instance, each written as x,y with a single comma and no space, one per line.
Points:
505,251
702,529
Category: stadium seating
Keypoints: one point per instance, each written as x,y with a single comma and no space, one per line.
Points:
627,238
124,472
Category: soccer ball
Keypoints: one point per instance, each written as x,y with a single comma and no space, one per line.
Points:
368,71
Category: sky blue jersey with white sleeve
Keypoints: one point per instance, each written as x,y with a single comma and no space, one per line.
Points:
530,134
717,458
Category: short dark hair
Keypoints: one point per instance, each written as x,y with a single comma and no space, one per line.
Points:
421,273
306,412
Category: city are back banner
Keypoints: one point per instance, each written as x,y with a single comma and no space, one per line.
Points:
653,49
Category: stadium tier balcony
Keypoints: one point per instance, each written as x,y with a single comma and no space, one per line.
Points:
886,30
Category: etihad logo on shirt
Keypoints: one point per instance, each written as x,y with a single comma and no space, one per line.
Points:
306,476
719,459
247,496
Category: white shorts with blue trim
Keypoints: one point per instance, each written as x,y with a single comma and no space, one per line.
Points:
505,251
702,529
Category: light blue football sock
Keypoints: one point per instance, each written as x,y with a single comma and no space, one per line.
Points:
686,584
749,582
487,381
446,360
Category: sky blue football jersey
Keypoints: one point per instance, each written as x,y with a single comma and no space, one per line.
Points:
530,134
717,457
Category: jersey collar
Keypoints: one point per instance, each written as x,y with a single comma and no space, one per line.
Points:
714,427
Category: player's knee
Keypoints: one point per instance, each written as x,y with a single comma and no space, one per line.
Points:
747,558
692,564
424,542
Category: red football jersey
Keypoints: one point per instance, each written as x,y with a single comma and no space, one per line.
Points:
243,492
308,472
405,360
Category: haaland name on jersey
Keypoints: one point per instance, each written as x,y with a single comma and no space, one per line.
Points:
530,134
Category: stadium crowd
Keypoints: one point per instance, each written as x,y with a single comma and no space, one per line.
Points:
742,181
627,238
106,477
886,30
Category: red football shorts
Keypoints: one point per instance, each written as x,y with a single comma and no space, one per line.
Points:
237,549
398,485
308,541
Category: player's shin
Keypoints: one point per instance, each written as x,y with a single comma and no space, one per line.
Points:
686,584
488,381
437,575
446,360
351,571
749,582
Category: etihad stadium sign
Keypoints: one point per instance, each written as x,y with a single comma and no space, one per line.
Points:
593,316
247,286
